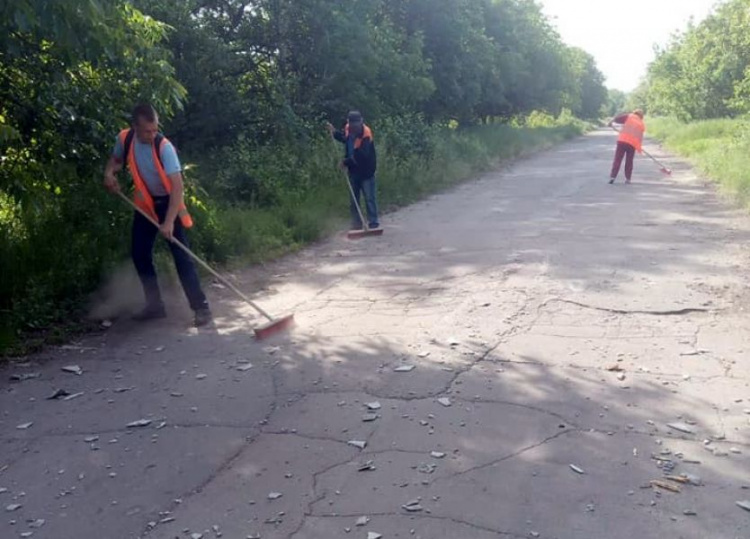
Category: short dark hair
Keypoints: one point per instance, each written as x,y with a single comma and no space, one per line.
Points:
145,111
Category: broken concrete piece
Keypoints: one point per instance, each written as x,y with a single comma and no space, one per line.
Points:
25,376
368,466
274,495
445,401
437,455
73,369
139,423
373,535
373,405
25,426
201,376
91,439
58,394
745,504
244,367
404,368
665,485
412,507
362,521
423,354
367,418
73,396
682,427
13,507
577,469
621,377
196,536
357,443
426,468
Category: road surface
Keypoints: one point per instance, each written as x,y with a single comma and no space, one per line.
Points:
569,343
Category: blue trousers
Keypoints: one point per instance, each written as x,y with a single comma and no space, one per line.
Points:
366,187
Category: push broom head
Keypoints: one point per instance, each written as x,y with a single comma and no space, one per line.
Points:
274,327
358,234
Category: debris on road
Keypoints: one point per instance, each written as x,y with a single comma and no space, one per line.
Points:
577,469
25,376
13,507
745,504
437,455
657,483
413,506
445,401
25,426
274,495
373,405
357,443
404,368
362,521
373,535
682,427
368,466
368,418
244,367
58,394
139,423
73,369
201,376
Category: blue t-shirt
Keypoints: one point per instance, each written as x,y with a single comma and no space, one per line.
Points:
144,159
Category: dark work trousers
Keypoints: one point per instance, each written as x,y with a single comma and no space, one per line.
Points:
142,247
623,150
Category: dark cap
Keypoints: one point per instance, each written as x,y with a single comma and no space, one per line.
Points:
355,117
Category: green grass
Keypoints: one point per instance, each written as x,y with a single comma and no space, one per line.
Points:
720,149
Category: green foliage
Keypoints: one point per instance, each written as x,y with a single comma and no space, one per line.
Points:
719,148
703,73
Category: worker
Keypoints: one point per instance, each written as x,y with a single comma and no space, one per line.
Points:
360,160
629,142
159,192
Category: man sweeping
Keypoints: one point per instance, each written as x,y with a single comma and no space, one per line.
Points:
159,192
360,161
629,142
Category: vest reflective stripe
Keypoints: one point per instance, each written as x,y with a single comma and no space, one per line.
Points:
367,133
632,132
142,197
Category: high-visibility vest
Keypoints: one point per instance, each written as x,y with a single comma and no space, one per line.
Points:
142,197
632,132
367,133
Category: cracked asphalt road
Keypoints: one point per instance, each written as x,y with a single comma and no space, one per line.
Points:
567,322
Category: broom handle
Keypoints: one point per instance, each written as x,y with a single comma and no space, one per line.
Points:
198,259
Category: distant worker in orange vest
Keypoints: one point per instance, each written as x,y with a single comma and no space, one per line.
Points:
629,142
159,192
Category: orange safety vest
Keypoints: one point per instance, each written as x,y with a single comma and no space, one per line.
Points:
367,133
632,132
142,197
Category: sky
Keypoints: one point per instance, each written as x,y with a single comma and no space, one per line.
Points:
603,29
